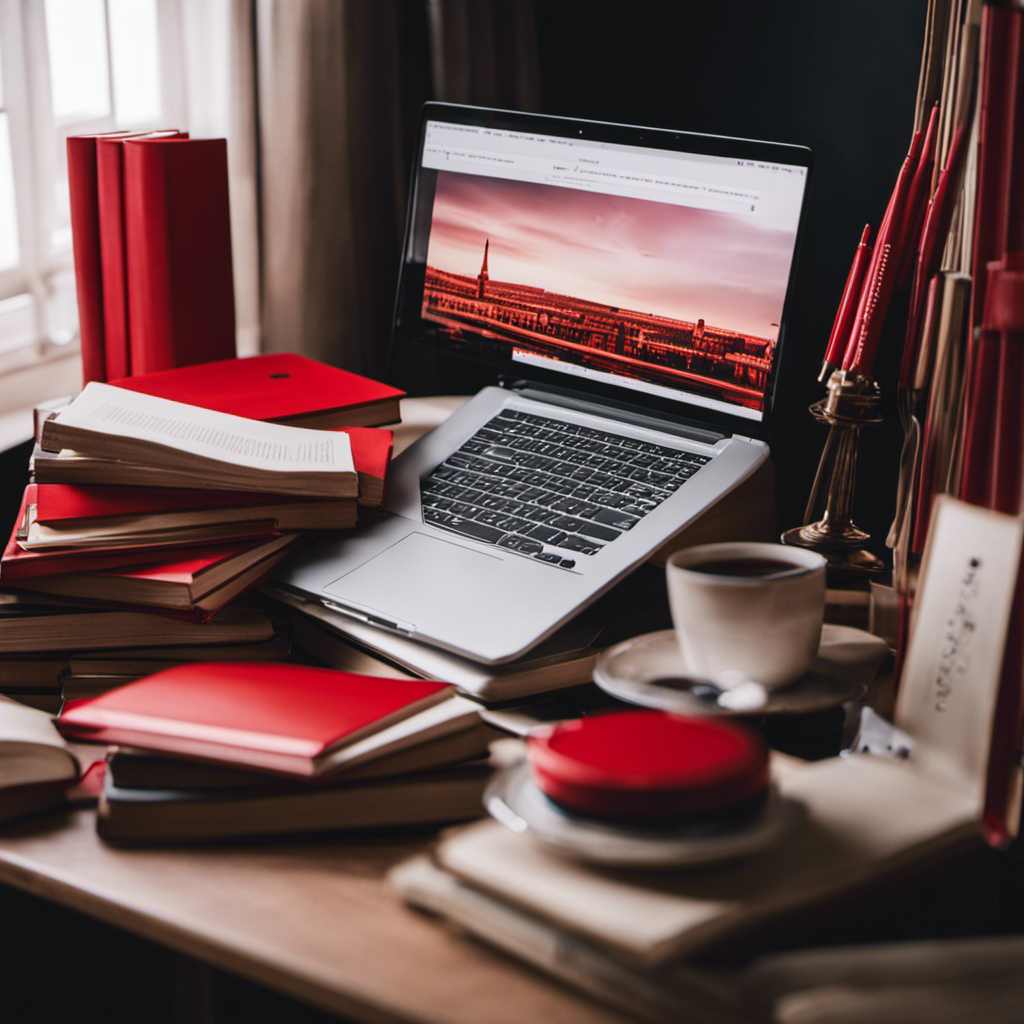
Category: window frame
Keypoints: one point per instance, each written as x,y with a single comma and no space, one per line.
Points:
38,145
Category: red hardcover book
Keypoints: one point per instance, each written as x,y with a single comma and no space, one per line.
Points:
282,387
57,503
203,580
66,515
19,564
113,248
277,717
85,244
181,299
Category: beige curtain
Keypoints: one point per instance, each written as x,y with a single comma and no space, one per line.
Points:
337,97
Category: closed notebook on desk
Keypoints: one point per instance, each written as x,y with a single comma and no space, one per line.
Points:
290,719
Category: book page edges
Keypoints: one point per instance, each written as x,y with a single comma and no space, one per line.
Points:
82,415
865,818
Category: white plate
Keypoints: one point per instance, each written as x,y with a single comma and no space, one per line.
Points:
514,800
649,670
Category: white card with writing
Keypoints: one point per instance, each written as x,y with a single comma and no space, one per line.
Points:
950,681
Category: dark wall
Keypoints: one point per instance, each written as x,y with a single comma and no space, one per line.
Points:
839,78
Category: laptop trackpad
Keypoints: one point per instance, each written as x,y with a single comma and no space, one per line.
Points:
416,573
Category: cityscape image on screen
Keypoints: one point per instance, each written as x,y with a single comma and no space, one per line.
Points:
668,295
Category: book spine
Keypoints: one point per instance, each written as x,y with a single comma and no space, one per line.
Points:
180,282
85,241
110,187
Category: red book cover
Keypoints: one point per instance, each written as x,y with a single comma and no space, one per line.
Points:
181,299
281,387
85,244
65,502
264,714
113,248
16,563
371,455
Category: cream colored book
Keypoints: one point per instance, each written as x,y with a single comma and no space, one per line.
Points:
36,764
243,454
861,817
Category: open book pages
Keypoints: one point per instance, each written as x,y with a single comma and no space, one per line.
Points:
113,423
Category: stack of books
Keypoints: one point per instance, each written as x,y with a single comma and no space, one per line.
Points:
223,751
156,502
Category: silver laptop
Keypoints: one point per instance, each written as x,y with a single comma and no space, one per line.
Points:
628,287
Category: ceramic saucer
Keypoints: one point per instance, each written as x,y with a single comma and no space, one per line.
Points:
649,670
514,800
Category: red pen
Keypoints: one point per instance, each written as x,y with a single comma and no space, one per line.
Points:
881,276
847,308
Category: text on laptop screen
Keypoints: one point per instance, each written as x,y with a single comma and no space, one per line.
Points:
659,271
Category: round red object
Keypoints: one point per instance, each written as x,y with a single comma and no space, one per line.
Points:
648,764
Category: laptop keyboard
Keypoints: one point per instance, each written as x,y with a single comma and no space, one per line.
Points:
551,489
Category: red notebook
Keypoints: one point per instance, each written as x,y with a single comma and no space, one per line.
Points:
181,299
113,248
283,387
85,244
272,716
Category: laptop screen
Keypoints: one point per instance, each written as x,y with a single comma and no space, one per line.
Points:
660,269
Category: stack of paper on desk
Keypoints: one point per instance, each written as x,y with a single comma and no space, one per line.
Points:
863,817
566,659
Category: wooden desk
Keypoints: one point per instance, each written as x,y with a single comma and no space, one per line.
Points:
315,920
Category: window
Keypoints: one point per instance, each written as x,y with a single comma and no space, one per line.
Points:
67,67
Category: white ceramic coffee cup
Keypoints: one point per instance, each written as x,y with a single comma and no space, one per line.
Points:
735,627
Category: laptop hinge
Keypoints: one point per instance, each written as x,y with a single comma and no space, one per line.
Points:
610,408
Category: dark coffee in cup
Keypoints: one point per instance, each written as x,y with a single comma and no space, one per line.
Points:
751,567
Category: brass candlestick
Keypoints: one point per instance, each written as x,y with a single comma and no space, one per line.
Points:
851,403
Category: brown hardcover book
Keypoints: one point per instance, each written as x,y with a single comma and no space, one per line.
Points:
79,630
176,816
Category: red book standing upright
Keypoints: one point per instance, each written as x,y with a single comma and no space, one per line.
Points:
178,230
113,249
85,240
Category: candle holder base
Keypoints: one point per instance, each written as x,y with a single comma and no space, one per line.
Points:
844,561
851,403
